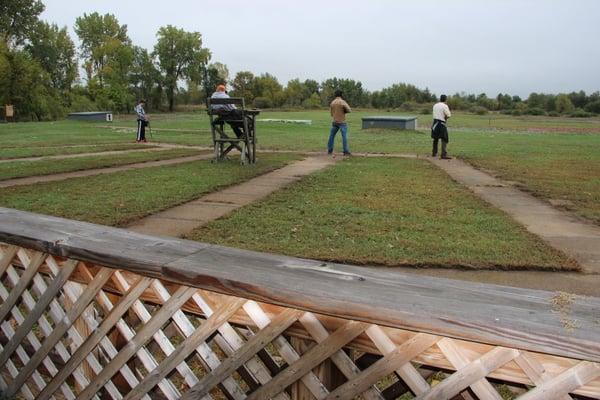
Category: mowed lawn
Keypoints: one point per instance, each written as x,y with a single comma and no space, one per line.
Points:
553,158
119,198
18,169
385,211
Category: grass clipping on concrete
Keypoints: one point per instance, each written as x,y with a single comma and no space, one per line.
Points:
119,198
385,211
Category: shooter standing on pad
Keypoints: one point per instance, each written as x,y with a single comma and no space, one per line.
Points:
441,113
339,108
142,121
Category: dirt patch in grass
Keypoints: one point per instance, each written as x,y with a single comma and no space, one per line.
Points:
390,212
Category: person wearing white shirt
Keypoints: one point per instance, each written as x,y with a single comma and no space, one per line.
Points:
439,131
142,121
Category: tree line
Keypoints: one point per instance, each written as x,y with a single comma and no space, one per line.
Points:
40,75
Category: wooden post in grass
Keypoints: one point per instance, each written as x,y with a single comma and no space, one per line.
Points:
9,112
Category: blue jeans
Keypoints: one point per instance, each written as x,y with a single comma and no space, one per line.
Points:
335,127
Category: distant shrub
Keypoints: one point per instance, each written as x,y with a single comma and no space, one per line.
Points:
593,107
535,111
554,114
425,110
516,112
579,113
409,106
263,102
506,112
80,103
479,110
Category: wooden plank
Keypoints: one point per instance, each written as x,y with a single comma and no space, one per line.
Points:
534,370
314,327
10,366
285,349
7,256
21,285
252,346
473,372
188,346
59,330
91,342
160,338
491,314
235,342
383,367
310,359
407,372
45,327
564,383
182,295
482,388
73,291
56,313
40,306
22,354
204,351
148,361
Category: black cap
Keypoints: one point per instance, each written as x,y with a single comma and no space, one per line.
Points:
443,97
338,93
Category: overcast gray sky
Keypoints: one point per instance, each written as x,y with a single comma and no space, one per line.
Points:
491,46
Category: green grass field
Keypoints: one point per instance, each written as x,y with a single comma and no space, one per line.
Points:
384,211
553,158
19,169
118,198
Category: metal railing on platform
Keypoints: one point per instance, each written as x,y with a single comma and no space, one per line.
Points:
89,311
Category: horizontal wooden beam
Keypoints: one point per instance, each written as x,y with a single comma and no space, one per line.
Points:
497,315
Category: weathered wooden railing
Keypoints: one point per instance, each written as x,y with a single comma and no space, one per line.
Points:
90,311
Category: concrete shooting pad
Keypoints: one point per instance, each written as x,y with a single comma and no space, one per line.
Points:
397,122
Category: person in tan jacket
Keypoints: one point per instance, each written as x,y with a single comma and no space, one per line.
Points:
339,108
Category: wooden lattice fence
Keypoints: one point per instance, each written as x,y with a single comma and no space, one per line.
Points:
96,312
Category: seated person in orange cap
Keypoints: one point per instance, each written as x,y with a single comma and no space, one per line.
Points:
227,112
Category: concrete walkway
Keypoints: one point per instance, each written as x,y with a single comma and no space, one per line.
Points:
77,155
561,230
30,180
181,220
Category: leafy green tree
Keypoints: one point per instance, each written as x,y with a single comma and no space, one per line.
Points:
180,56
53,48
354,93
145,79
101,38
295,93
27,86
216,73
579,99
108,55
268,89
399,94
311,86
563,104
243,85
17,19
593,107
314,101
